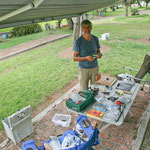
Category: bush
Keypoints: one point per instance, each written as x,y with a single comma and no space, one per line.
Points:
27,29
134,11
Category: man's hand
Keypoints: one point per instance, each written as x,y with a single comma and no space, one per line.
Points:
90,58
99,55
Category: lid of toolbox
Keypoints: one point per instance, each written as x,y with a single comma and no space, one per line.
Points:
19,116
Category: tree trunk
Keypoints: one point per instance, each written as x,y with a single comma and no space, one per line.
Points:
126,10
146,5
97,12
139,3
59,23
77,29
70,23
126,7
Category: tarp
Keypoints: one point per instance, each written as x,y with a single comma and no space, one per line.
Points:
20,12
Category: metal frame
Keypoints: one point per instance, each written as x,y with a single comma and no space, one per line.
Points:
33,4
21,12
147,80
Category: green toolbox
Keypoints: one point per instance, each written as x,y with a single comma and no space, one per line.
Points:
80,101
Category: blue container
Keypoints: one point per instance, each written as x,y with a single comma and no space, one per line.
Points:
30,144
5,36
100,14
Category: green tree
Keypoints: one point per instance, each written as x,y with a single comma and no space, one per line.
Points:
112,8
59,23
132,2
70,23
138,1
146,1
127,4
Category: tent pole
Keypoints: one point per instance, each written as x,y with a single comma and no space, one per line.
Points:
33,4
76,30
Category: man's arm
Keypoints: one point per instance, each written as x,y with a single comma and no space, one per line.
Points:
77,58
99,54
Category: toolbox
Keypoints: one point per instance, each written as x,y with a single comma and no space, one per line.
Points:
81,106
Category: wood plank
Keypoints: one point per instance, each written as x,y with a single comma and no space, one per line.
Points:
106,80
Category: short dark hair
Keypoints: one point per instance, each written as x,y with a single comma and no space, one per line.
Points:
86,22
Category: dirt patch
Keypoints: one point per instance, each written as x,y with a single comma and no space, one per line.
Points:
6,71
144,12
143,41
68,52
115,40
3,41
105,48
137,18
54,97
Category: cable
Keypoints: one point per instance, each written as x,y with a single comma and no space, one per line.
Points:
140,108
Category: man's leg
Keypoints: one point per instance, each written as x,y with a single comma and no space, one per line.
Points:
93,74
83,78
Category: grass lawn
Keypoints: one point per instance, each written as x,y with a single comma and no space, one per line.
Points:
18,40
125,51
29,78
109,12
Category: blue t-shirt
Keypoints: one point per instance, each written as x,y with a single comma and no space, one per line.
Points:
87,48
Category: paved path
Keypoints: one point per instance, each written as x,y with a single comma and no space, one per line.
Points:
141,12
29,45
114,137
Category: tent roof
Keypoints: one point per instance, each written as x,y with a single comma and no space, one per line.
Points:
20,12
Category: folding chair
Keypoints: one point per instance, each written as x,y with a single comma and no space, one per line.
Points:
91,133
145,69
30,144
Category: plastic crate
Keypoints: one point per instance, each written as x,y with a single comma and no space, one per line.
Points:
19,125
80,107
62,120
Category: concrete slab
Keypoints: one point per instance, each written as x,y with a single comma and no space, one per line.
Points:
142,129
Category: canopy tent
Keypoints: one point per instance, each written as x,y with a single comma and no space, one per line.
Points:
21,12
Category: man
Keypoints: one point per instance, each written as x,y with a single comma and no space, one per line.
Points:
86,52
